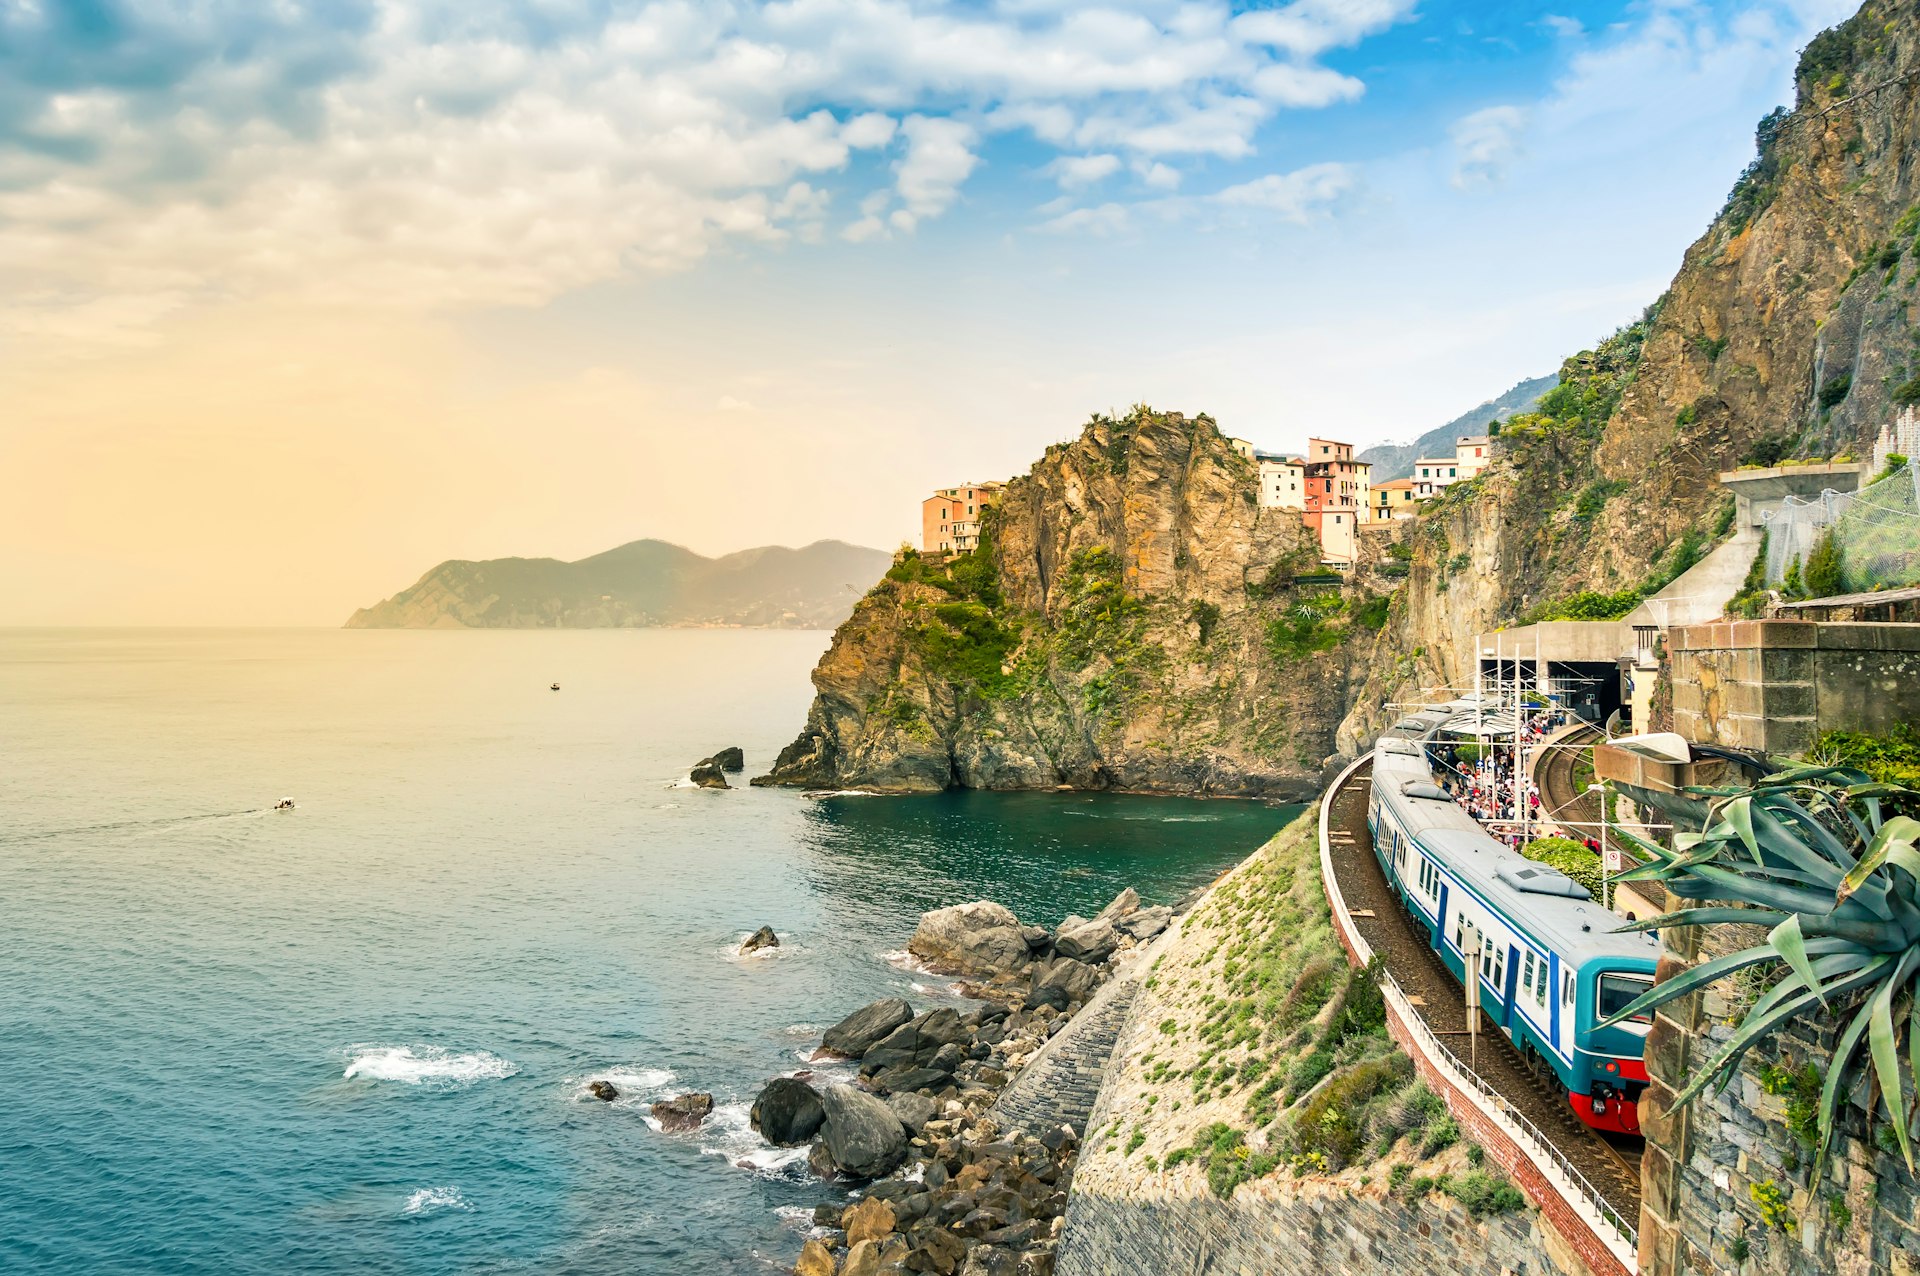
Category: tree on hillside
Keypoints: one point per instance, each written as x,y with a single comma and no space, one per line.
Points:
1826,574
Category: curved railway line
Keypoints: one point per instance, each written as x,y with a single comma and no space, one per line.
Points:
1612,1165
1561,799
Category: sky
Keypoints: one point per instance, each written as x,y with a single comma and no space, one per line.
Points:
301,297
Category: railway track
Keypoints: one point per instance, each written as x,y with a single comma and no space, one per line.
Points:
1612,1165
1563,801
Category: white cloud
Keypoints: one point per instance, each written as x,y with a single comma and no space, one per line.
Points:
1485,143
1076,171
727,403
449,155
1294,196
939,158
1107,219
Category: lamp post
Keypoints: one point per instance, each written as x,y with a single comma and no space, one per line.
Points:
1599,792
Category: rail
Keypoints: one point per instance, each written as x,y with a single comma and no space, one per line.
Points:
1606,1223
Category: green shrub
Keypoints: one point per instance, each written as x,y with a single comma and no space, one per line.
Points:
1836,389
1332,1121
1570,857
1441,1135
1588,604
1826,570
1205,616
1893,758
1594,497
1751,601
1483,1194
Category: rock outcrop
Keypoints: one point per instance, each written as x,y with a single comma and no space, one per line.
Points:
708,775
1786,333
683,1112
762,938
787,1113
862,1136
981,938
1134,620
857,1033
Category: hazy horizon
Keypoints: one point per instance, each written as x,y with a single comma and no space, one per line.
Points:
303,302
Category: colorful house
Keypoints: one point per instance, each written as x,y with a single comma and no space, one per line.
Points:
950,518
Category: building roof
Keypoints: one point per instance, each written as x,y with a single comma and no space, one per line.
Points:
1394,485
1437,460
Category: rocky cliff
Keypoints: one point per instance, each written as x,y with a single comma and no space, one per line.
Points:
1134,620
1138,622
1788,332
641,584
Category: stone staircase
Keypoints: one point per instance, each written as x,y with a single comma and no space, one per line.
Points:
1060,1083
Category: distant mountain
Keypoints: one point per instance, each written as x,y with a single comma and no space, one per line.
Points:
640,585
1395,460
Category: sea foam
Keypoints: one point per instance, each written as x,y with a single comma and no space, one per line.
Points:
425,1065
429,1199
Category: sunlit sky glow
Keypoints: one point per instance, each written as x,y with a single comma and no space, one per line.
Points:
297,299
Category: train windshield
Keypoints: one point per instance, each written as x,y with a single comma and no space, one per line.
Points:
1617,992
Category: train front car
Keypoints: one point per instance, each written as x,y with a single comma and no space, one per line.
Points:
1610,1063
1553,965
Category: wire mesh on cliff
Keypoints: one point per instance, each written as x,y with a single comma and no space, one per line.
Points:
1877,528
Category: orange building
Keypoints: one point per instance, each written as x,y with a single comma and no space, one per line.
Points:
950,518
1336,497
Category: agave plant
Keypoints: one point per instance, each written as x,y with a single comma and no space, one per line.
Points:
1814,853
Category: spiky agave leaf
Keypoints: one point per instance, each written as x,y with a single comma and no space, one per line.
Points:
1886,1055
1706,972
1759,1023
1892,844
1701,917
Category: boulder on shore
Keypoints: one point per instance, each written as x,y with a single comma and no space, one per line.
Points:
762,938
1125,903
1146,923
787,1113
981,938
1062,983
916,1042
1086,941
857,1033
683,1112
861,1135
708,775
603,1091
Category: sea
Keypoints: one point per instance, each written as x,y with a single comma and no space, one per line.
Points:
356,1036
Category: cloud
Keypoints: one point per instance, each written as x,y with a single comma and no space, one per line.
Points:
1485,143
727,403
449,154
1075,171
939,158
1294,196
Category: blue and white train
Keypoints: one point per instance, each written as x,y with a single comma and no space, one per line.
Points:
1552,966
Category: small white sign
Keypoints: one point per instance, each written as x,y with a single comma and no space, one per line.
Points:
1617,861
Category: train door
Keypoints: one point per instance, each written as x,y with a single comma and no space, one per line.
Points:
1511,963
1440,920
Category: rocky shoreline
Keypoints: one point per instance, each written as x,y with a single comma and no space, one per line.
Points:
943,1186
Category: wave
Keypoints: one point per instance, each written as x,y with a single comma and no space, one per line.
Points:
428,1065
429,1199
138,828
785,948
729,1133
820,794
901,959
637,1086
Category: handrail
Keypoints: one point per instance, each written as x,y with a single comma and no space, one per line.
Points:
1580,1191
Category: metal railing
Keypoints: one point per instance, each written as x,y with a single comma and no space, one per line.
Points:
1465,1076
1522,1130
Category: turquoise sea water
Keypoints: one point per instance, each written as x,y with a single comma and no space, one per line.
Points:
355,1036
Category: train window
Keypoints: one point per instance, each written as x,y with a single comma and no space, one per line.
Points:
1500,969
1540,984
1566,988
1526,972
1617,992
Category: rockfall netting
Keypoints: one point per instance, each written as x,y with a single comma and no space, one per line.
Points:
1877,529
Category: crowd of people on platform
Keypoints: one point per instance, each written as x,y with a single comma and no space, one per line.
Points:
1480,777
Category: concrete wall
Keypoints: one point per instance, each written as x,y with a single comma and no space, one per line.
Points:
1275,1227
1776,684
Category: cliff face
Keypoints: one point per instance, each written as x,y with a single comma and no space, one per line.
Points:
1789,331
1132,622
642,584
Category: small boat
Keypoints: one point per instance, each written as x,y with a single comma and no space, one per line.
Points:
555,687
284,804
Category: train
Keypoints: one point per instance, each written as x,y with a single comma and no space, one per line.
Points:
1552,965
